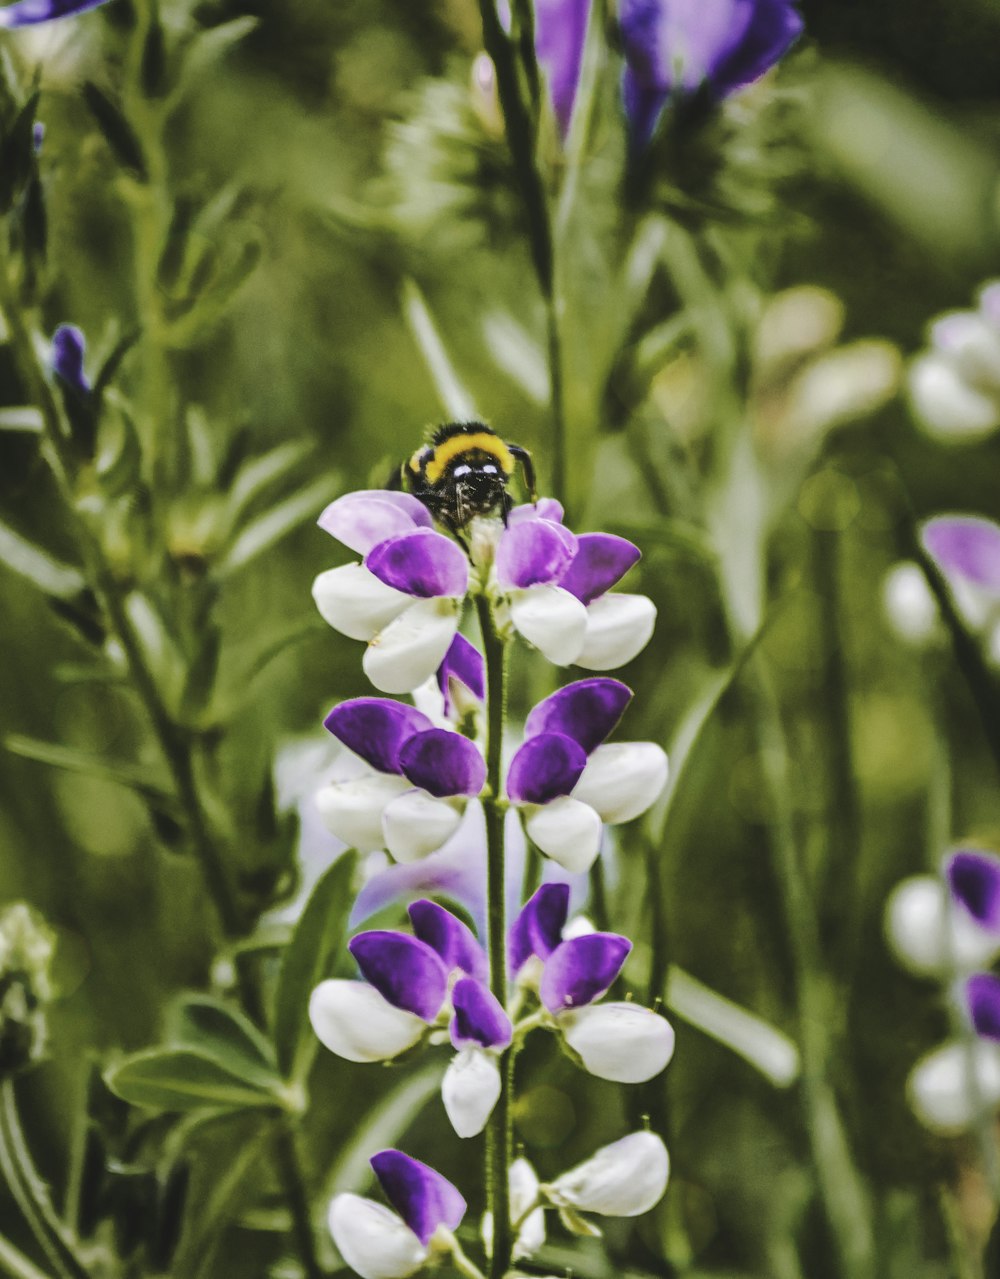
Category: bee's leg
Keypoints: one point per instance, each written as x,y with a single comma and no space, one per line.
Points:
528,467
506,504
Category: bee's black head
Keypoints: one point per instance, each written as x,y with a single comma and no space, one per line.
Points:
476,488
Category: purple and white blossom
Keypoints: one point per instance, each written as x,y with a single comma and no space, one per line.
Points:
411,802
28,13
675,47
954,385
932,933
619,1041
434,979
555,586
405,598
379,1243
567,782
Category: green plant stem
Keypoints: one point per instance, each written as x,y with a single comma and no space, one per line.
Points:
173,740
498,1130
842,1190
520,108
32,1194
16,1264
290,1167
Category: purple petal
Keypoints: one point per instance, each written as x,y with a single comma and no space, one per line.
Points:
443,763
462,662
546,508
774,26
376,729
26,13
479,1018
587,711
538,928
545,767
364,519
421,1196
449,937
974,880
533,553
601,560
964,546
582,970
983,995
643,108
68,343
404,970
560,32
677,44
423,563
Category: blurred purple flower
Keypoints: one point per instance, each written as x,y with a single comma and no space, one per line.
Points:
675,47
560,34
26,13
965,547
68,347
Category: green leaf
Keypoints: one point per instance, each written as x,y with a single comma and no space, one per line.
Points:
206,49
214,1029
118,133
318,935
30,561
17,153
182,1079
134,776
256,475
267,529
455,399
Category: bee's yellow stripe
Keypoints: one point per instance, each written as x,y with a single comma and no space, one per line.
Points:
458,444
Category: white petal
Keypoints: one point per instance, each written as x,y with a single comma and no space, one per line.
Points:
353,1020
352,810
374,1242
355,602
909,605
618,627
523,1193
551,619
416,824
412,647
566,830
622,779
623,1042
621,1180
946,405
932,937
470,1089
952,1087
973,346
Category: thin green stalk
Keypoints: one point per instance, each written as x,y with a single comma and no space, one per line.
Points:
32,1194
499,1128
16,1264
842,1190
290,1167
173,741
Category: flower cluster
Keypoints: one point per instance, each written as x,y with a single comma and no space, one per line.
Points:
433,984
955,385
27,947
621,1180
416,769
947,928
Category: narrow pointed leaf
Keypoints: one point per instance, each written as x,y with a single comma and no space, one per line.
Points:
31,562
133,776
180,1079
268,529
118,133
213,1029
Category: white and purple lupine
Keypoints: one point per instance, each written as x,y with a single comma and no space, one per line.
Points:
555,586
28,13
413,799
568,782
675,47
620,1041
624,1179
405,598
966,548
436,978
954,385
379,1243
974,880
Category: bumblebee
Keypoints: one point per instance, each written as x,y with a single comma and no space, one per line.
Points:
464,471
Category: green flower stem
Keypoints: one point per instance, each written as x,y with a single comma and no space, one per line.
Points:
173,740
520,105
16,1264
290,1167
32,1194
498,1130
842,1189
